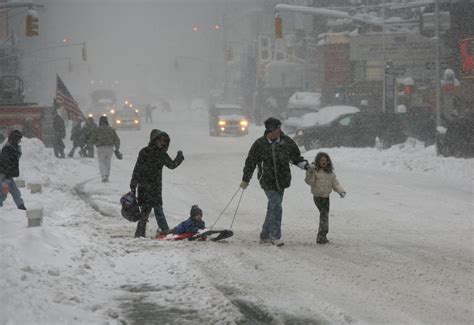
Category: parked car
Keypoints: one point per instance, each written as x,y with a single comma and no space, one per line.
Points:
353,130
299,104
227,119
127,119
457,139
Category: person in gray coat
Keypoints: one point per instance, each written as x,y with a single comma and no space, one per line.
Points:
105,139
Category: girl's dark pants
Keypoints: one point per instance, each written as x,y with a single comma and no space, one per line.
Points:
323,206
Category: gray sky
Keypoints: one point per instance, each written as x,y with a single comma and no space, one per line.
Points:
133,41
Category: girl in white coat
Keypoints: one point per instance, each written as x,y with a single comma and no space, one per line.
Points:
322,179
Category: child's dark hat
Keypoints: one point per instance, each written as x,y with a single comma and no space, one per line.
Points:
195,211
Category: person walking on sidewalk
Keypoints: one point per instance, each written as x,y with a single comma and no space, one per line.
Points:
59,128
9,168
77,138
272,154
105,138
87,131
147,177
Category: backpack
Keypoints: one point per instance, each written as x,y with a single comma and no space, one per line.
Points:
130,208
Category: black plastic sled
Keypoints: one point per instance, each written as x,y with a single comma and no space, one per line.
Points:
210,234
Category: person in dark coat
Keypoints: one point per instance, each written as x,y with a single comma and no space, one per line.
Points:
77,138
272,154
59,134
87,132
10,168
147,177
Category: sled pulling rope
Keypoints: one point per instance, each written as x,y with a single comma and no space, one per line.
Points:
222,234
225,209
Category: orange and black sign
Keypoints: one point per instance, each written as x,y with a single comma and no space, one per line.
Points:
466,49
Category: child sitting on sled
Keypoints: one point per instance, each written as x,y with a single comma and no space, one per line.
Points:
190,226
189,229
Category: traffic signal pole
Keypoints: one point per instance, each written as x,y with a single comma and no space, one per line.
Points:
83,44
437,67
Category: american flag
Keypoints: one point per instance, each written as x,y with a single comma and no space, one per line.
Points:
65,99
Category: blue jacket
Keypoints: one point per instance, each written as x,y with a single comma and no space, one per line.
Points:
189,225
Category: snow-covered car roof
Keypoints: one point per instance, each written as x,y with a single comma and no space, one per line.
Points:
228,106
326,115
305,100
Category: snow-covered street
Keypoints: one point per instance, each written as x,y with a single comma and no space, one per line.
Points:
400,252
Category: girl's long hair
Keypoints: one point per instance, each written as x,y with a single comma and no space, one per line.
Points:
329,168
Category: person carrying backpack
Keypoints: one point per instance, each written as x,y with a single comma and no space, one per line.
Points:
147,179
9,168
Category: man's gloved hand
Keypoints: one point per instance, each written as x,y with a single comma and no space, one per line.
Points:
133,188
310,167
244,185
180,156
342,194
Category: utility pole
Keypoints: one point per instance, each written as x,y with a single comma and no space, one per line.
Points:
437,68
225,38
438,73
384,90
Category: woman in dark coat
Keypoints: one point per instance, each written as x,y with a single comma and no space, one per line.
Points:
147,177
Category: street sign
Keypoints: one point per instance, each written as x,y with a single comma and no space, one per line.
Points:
432,65
396,71
394,47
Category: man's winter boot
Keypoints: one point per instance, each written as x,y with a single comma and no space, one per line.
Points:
321,239
277,242
141,229
22,207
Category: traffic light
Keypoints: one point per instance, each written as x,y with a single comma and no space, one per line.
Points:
32,24
388,68
278,27
84,53
408,89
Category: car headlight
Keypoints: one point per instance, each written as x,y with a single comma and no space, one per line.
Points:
136,111
112,111
136,121
118,121
244,123
221,123
90,115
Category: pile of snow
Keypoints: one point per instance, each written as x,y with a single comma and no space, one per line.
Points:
37,161
326,115
411,156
